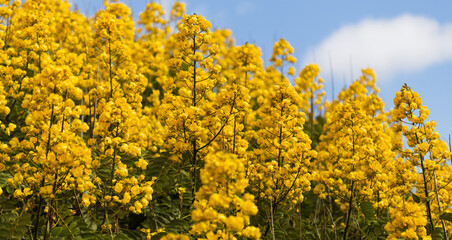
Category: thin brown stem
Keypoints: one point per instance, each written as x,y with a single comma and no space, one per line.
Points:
272,219
349,213
235,129
439,205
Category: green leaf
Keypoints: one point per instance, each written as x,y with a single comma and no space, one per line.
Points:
4,233
72,225
156,166
368,210
446,216
4,179
429,228
56,231
133,234
92,236
121,237
437,234
7,205
65,231
415,197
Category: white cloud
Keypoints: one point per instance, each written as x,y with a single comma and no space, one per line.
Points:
403,44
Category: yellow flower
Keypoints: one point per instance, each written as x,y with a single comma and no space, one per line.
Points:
118,187
234,224
46,190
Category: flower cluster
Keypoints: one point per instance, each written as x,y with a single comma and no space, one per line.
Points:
222,209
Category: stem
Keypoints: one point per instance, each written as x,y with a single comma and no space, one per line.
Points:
194,163
272,222
350,201
194,72
300,225
78,203
194,145
35,230
112,174
153,217
332,218
50,214
439,205
113,169
317,210
8,24
181,209
244,116
94,117
222,127
280,133
224,145
427,203
82,117
50,131
324,220
450,149
235,127
90,117
311,117
109,68
62,124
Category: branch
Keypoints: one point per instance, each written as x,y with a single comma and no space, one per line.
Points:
221,129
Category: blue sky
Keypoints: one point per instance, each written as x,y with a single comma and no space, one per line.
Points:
404,41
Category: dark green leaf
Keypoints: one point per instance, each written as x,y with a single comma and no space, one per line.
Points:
368,210
446,216
438,234
416,198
